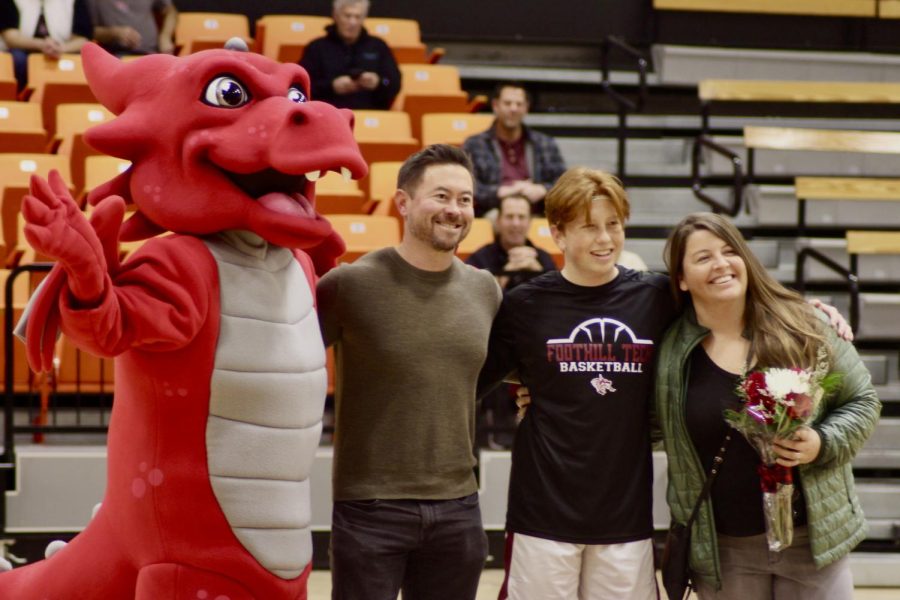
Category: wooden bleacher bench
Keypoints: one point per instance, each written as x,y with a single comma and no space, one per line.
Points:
863,189
716,91
823,8
872,242
889,9
817,140
763,90
826,140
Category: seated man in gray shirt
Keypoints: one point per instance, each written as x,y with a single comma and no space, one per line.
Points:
134,27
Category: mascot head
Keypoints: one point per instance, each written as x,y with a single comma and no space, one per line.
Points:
219,140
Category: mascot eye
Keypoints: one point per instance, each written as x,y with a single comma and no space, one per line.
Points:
226,92
295,94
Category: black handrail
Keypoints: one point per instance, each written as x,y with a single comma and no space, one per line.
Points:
9,361
737,185
849,275
7,460
623,103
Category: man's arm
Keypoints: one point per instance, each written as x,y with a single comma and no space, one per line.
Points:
388,85
313,62
169,20
327,307
501,356
14,39
82,28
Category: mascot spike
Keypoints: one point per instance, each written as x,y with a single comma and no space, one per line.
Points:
103,71
112,81
237,44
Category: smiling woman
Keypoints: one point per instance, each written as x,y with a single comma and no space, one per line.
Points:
738,317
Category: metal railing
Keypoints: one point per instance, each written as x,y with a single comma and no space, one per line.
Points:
39,396
624,104
851,279
697,180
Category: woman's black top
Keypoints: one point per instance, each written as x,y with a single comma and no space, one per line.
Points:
736,495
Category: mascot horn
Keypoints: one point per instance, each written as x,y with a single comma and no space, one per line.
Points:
219,364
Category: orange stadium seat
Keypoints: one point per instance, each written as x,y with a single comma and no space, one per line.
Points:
334,195
432,89
53,82
21,128
404,38
284,37
15,173
72,121
198,31
382,185
364,233
384,135
7,77
539,235
99,169
453,128
481,234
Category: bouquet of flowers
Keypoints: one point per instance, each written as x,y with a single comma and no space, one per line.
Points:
775,403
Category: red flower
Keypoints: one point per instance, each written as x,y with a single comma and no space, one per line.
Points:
754,385
802,408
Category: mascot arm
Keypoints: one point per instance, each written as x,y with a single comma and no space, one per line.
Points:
56,227
157,301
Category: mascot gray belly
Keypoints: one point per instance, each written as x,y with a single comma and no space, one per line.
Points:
267,395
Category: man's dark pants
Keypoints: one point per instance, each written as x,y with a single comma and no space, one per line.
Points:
431,549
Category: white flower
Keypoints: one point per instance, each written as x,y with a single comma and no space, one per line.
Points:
781,382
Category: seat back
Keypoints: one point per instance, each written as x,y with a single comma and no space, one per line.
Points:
198,31
480,234
21,127
52,82
284,37
15,173
453,128
335,195
381,126
99,168
430,80
429,89
401,35
73,120
365,233
384,135
382,185
8,86
539,235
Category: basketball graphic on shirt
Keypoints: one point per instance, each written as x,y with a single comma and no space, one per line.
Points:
601,346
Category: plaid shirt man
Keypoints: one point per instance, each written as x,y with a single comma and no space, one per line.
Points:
545,164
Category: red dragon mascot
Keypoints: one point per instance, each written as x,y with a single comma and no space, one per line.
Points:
219,364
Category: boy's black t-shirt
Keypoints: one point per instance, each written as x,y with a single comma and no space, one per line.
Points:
582,467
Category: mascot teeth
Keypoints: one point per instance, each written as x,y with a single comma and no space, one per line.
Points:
314,175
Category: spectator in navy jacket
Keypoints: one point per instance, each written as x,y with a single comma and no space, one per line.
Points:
348,67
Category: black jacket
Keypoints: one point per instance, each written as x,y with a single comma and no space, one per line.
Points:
327,58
